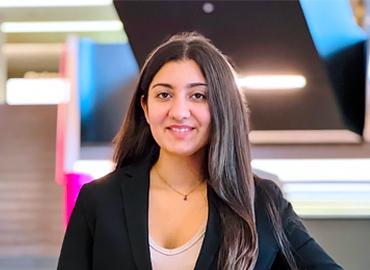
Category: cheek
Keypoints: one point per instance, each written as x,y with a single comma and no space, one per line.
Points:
156,115
205,117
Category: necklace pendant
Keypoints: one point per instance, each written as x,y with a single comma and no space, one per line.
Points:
185,197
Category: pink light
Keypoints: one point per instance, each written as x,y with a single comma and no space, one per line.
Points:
73,184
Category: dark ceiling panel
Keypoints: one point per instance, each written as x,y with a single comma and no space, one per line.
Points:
261,37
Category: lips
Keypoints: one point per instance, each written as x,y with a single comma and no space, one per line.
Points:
180,130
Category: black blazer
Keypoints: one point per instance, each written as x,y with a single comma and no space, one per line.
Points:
108,228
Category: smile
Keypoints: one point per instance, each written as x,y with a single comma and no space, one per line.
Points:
181,130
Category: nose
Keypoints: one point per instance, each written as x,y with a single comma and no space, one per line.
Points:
179,110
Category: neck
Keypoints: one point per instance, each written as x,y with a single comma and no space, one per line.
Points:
179,171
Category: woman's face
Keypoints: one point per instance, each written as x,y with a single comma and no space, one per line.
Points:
177,108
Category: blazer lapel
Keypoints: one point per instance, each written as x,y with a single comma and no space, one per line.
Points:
135,190
211,242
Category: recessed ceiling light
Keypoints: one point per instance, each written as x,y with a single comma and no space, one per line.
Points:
52,3
208,7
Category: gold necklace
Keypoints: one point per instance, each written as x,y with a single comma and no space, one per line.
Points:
175,190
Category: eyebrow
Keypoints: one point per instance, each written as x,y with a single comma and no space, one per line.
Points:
190,85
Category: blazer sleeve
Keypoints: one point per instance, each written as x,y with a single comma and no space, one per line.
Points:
307,252
76,252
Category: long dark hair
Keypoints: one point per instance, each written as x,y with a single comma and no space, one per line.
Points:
228,160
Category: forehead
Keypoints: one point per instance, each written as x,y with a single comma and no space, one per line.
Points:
179,72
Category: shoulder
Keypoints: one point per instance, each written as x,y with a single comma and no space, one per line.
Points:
270,195
112,179
268,200
102,189
100,185
109,187
267,189
306,250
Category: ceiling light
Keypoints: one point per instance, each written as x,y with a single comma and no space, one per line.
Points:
316,169
65,26
37,91
52,3
272,82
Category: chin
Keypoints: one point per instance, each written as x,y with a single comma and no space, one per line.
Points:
184,152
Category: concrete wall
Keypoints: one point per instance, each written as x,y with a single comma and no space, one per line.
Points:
346,240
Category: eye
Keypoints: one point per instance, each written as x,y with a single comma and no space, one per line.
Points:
163,95
199,96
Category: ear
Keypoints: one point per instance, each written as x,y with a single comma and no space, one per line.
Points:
144,106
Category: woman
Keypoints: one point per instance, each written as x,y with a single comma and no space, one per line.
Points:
183,195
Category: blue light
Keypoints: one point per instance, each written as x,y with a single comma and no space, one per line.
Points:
332,25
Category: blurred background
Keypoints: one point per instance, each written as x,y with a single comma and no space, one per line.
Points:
68,70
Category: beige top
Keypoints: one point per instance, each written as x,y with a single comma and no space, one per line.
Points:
181,258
